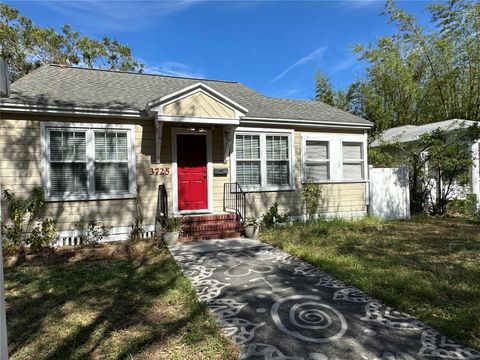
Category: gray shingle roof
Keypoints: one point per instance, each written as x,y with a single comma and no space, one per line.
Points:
69,86
408,133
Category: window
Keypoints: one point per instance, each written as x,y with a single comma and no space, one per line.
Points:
352,161
278,172
111,162
84,163
330,157
68,162
248,159
263,161
317,161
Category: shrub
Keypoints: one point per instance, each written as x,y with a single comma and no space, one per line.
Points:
311,194
25,230
173,225
272,216
91,231
466,207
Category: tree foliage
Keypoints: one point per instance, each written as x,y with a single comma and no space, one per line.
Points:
417,76
438,161
26,46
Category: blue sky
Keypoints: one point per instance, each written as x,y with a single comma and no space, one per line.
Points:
273,47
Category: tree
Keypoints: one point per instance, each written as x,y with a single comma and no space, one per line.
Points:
25,47
323,89
437,162
417,76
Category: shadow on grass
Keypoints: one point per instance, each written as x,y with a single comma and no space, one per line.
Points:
117,295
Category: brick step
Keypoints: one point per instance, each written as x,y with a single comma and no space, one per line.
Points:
208,226
188,219
211,236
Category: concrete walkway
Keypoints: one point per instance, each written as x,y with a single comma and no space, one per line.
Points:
277,307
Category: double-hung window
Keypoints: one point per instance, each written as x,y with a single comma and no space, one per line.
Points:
111,162
353,163
88,161
278,160
333,157
263,161
317,161
248,159
68,162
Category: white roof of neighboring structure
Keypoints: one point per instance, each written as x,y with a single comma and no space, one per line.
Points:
410,133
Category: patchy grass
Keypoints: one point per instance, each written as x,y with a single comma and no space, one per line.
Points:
118,301
427,267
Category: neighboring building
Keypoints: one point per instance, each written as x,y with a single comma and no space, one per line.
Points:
92,137
409,134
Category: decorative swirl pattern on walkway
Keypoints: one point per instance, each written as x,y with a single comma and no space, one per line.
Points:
277,307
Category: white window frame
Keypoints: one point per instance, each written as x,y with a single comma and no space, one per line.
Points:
321,161
335,143
263,133
360,161
90,129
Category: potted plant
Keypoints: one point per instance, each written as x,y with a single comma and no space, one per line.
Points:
251,228
172,231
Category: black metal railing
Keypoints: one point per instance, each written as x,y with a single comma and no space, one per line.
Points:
162,206
234,200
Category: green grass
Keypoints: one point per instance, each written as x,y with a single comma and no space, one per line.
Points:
119,301
427,267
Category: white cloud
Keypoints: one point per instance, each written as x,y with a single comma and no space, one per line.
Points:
116,15
362,3
344,64
316,55
173,68
286,93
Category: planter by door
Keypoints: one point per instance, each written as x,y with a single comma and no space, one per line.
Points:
192,172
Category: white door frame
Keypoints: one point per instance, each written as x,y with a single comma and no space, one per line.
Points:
186,131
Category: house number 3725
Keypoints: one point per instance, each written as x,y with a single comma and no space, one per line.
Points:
159,171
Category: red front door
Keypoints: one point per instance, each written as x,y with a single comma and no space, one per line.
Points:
192,172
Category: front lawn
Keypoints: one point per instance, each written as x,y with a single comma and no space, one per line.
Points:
427,267
118,301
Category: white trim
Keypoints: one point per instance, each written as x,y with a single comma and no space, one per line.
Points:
208,134
263,159
335,142
198,120
90,128
307,123
333,215
70,110
191,89
118,233
158,140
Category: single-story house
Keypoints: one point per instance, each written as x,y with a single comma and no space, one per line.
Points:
92,138
409,134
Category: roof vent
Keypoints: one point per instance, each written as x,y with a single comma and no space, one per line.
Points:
4,79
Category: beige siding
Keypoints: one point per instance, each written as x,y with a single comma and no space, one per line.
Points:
336,197
20,169
199,104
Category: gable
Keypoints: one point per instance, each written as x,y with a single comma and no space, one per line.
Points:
199,104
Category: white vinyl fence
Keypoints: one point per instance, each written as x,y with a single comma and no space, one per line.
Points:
389,194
